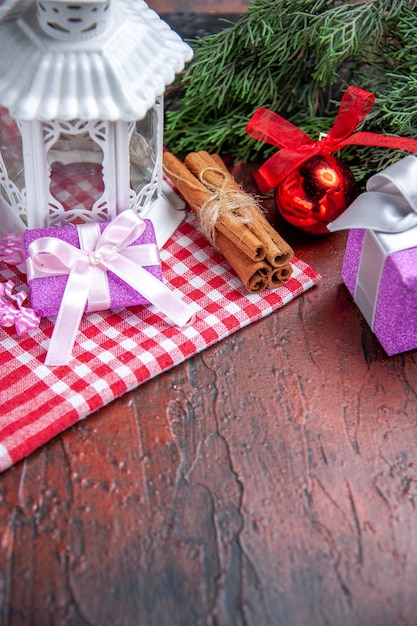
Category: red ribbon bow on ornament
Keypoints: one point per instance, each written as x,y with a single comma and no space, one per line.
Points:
297,147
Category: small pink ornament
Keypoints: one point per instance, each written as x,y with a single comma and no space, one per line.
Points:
12,313
12,249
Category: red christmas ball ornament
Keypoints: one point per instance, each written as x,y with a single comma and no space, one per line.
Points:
316,193
319,187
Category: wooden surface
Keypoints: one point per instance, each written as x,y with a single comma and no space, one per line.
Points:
271,480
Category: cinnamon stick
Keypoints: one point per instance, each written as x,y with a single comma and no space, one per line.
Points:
204,163
219,161
284,252
202,179
213,169
191,189
253,274
279,275
196,194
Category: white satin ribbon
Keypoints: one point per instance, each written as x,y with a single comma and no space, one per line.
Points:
376,248
389,204
87,276
388,212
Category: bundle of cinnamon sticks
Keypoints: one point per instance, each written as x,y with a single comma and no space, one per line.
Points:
231,219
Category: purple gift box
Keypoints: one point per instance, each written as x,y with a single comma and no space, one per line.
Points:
46,292
380,262
380,271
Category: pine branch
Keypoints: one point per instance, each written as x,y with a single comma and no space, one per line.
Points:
296,57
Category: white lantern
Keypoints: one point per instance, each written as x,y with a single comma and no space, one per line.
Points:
81,112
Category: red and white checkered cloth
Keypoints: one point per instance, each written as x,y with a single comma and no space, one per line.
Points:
117,350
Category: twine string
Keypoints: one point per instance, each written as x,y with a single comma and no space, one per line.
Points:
236,205
223,202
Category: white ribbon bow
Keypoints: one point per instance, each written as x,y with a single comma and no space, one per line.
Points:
87,276
390,203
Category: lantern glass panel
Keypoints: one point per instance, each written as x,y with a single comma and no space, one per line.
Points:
11,149
76,174
143,150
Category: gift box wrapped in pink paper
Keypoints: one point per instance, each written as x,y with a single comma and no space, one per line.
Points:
380,262
93,267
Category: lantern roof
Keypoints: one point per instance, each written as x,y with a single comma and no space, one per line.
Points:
112,73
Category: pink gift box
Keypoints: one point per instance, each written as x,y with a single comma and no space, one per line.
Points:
46,292
383,282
